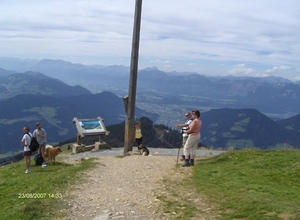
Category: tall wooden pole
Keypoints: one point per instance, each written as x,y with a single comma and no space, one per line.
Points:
130,100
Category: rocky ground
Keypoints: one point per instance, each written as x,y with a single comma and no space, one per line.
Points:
127,188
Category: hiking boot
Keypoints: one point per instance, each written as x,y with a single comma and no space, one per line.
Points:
186,163
192,162
44,165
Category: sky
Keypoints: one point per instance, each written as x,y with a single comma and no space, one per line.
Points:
219,37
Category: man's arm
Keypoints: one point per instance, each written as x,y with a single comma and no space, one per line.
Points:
45,134
42,135
191,128
181,125
23,141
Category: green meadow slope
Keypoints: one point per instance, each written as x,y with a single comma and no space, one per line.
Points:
252,184
247,184
40,194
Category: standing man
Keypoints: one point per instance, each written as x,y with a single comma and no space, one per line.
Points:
26,141
185,126
40,135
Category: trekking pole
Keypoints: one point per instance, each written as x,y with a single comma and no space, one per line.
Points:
178,151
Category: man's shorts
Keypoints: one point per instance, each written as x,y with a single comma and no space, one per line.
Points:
42,148
27,153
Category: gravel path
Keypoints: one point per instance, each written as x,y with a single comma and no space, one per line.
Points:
122,188
153,151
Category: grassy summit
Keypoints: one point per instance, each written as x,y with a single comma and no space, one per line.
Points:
40,194
247,184
252,184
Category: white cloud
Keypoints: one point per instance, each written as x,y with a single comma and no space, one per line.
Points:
296,78
155,61
161,61
277,69
240,70
163,64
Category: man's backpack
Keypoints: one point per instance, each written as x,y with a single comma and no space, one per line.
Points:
34,145
38,159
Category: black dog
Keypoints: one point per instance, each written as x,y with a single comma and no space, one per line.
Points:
143,150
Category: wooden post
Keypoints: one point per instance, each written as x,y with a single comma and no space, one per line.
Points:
79,139
129,123
101,139
125,100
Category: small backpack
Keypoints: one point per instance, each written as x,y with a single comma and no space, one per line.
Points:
38,159
34,145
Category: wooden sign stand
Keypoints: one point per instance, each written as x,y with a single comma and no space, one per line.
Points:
89,127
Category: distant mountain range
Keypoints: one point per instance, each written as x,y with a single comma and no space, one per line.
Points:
4,72
241,128
93,77
56,114
262,94
36,83
227,103
275,96
222,128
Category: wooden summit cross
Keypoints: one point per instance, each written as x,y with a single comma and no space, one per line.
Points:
129,100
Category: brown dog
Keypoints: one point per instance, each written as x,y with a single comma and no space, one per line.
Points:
52,152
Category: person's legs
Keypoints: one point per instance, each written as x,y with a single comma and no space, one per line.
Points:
193,152
39,150
27,160
183,143
194,148
139,141
42,152
188,149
